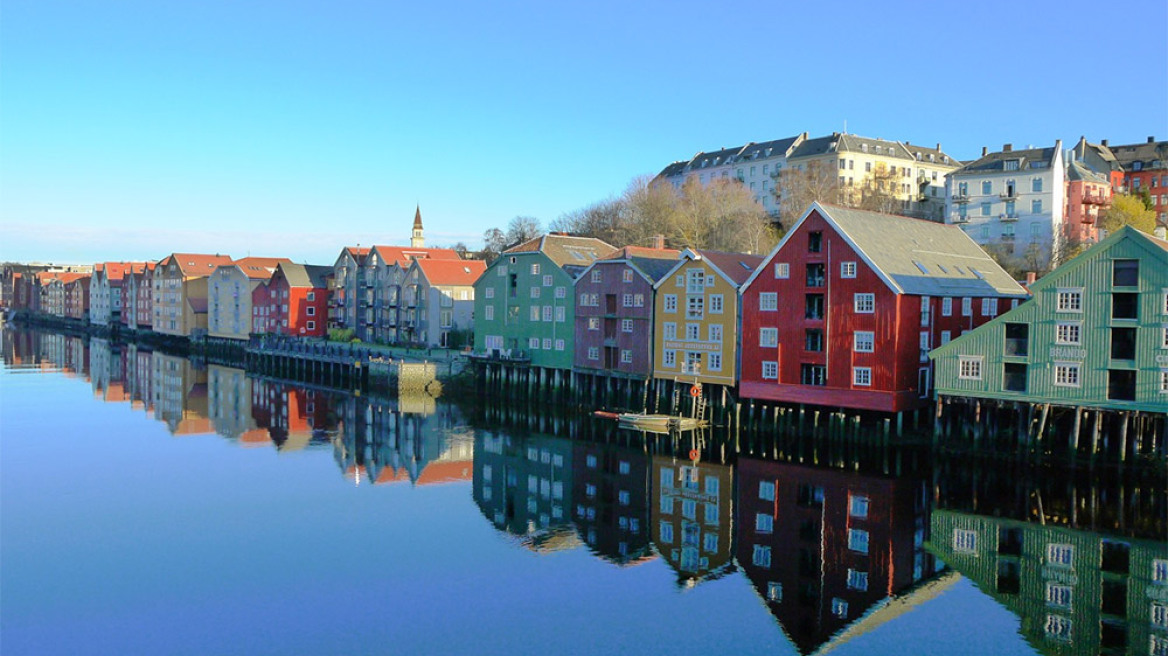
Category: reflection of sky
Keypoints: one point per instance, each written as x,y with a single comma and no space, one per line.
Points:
119,538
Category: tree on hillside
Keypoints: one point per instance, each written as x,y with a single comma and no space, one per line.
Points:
800,185
521,229
494,242
606,220
879,191
1127,209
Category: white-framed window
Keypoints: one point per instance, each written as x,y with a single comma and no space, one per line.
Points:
865,303
1066,374
1058,628
311,311
969,367
989,307
761,557
947,307
715,304
695,307
627,300
547,312
626,325
311,325
782,270
593,323
967,307
1068,332
596,276
534,291
626,356
669,330
964,541
858,506
547,280
669,358
638,300
1164,381
770,370
627,275
857,580
1160,570
559,345
670,302
1062,555
766,490
864,341
693,332
858,540
535,313
561,292
768,302
560,314
533,343
695,281
847,269
1069,300
768,337
862,376
489,313
535,269
1059,595
593,353
774,591
1159,615
584,300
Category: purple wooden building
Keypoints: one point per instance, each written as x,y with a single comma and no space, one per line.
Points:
614,311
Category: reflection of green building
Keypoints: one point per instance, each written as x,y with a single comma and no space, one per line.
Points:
1076,592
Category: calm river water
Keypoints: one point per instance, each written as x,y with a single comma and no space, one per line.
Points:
154,505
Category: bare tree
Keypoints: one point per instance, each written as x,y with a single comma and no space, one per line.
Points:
800,185
494,242
521,229
606,220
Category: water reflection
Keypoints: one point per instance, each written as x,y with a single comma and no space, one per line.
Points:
835,541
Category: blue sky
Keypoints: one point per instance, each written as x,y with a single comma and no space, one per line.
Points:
135,128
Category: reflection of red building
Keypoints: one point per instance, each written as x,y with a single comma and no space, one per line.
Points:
289,416
823,547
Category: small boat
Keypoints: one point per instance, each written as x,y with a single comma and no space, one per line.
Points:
657,423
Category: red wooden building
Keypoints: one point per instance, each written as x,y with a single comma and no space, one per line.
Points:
294,302
844,310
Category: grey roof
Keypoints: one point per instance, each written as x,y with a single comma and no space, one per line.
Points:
737,266
305,275
939,156
1027,159
1078,171
653,267
816,146
716,158
1145,153
922,257
570,253
776,148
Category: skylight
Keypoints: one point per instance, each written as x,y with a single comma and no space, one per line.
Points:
921,267
977,273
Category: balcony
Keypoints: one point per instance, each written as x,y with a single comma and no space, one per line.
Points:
1009,194
960,197
1096,199
961,219
1008,218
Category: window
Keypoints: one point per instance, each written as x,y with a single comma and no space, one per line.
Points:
671,302
547,281
669,330
947,307
858,506
1069,300
535,292
814,242
813,340
593,323
967,307
969,367
561,292
770,370
768,337
695,307
766,492
627,275
714,332
813,306
311,311
1125,273
1058,628
547,312
857,580
1058,595
666,527
813,374
847,269
559,344
535,269
626,325
858,540
774,591
782,270
815,274
987,188
533,343
715,304
865,303
1060,554
715,362
964,541
761,556
489,312
547,343
768,302
1036,185
693,332
1067,333
839,608
638,300
560,314
862,376
627,300
989,307
669,358
695,281
1036,206
864,342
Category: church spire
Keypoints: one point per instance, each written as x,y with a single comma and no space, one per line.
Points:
417,240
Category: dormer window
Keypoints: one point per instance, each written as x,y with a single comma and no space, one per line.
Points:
1137,166
1011,164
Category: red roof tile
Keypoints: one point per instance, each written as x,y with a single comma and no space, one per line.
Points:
452,272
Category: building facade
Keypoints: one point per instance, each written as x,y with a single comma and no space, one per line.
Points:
436,305
229,295
1094,335
696,317
844,311
294,302
692,517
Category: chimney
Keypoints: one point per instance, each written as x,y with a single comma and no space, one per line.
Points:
659,242
984,151
938,146
1104,142
1151,139
1007,148
1031,277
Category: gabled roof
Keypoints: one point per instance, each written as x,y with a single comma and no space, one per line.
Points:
305,275
573,254
914,256
651,263
196,264
1145,153
734,267
260,268
1028,159
1079,172
403,255
356,252
451,272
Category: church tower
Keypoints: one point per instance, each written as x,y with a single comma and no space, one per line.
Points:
417,241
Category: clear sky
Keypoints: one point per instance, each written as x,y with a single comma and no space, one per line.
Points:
135,128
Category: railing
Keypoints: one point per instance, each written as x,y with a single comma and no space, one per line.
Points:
1095,199
960,198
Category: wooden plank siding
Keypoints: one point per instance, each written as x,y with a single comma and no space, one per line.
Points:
1091,274
602,342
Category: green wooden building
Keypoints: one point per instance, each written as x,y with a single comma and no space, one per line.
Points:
1075,592
525,302
1094,336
